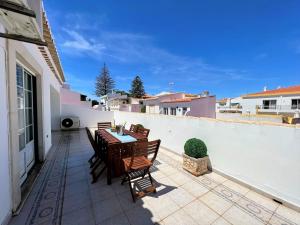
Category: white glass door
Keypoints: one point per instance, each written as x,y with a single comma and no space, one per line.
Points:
26,120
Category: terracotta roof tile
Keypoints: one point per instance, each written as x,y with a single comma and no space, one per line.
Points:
280,91
179,100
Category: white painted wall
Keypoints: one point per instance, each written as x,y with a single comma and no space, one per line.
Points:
55,109
261,155
152,109
249,104
245,117
89,117
69,97
29,56
5,194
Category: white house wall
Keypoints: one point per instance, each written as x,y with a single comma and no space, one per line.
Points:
55,109
249,104
5,194
30,57
48,80
259,154
88,117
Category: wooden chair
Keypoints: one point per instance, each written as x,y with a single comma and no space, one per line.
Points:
104,125
145,132
133,128
98,157
139,163
94,157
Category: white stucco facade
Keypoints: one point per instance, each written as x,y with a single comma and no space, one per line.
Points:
283,104
5,192
29,57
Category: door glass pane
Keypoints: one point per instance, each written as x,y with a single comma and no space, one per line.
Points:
20,92
27,81
28,102
20,103
29,134
21,140
19,76
21,118
28,116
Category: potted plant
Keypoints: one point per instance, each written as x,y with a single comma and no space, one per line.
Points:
138,126
195,159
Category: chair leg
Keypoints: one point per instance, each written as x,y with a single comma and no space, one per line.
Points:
131,190
150,177
96,165
93,163
123,180
91,159
95,178
151,180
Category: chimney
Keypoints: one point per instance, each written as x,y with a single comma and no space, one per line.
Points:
265,88
205,93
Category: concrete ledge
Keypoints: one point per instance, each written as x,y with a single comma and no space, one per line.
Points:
218,120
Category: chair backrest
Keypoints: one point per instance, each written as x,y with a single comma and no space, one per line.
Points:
152,149
145,148
91,139
104,125
145,132
133,128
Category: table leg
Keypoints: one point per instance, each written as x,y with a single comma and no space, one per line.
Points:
109,163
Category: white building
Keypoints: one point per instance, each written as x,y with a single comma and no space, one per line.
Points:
181,104
30,80
229,105
120,102
281,101
68,96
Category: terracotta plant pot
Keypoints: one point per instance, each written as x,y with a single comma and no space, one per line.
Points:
195,166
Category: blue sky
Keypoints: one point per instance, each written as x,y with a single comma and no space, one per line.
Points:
227,47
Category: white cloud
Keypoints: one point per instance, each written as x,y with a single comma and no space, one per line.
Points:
79,44
140,49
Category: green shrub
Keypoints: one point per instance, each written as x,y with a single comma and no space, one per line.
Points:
139,126
195,148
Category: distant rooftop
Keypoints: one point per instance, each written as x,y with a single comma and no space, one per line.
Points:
280,91
179,100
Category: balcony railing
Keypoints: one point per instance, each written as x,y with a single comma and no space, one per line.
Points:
229,108
277,108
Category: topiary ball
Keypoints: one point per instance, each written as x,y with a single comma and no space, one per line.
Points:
139,126
195,148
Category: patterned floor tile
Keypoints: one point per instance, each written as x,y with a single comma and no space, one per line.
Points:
200,212
236,216
63,194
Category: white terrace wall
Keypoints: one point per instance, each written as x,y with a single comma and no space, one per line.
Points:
88,116
263,155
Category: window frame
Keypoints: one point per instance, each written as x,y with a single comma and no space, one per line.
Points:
297,105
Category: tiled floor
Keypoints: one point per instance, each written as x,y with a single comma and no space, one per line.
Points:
63,194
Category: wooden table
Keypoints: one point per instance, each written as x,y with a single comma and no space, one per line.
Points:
116,150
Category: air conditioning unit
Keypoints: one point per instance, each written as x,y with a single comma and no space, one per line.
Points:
69,123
